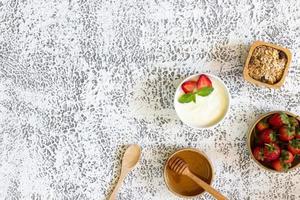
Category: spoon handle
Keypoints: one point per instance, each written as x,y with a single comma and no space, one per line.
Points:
114,193
206,186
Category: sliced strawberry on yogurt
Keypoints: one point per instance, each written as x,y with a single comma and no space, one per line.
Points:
203,82
189,86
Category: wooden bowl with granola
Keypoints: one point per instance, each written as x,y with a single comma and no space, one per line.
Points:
267,64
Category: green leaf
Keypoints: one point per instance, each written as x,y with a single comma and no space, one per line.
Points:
194,98
284,118
205,91
186,98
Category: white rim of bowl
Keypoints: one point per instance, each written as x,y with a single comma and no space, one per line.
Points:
226,89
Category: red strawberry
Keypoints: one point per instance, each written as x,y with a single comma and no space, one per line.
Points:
189,86
262,125
258,141
279,119
286,133
293,121
297,133
271,152
286,156
268,136
280,166
203,81
258,153
294,146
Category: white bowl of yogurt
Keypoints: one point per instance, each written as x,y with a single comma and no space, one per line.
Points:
205,111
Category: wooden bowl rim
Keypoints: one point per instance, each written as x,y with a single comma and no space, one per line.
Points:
249,141
277,85
196,151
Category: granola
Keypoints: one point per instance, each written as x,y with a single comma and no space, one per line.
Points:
267,64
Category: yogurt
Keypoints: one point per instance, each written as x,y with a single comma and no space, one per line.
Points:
207,111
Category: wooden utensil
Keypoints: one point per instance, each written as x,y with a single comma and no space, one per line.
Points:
180,167
130,159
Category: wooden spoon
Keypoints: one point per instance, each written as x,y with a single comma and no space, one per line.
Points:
180,167
130,159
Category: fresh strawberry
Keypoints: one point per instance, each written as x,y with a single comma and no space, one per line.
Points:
286,156
279,119
268,136
258,141
203,82
280,166
189,86
262,125
294,146
271,152
297,132
258,153
286,134
293,122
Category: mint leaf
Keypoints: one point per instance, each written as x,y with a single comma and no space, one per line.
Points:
186,98
194,98
205,91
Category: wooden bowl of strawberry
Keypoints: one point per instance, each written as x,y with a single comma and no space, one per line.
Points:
274,141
